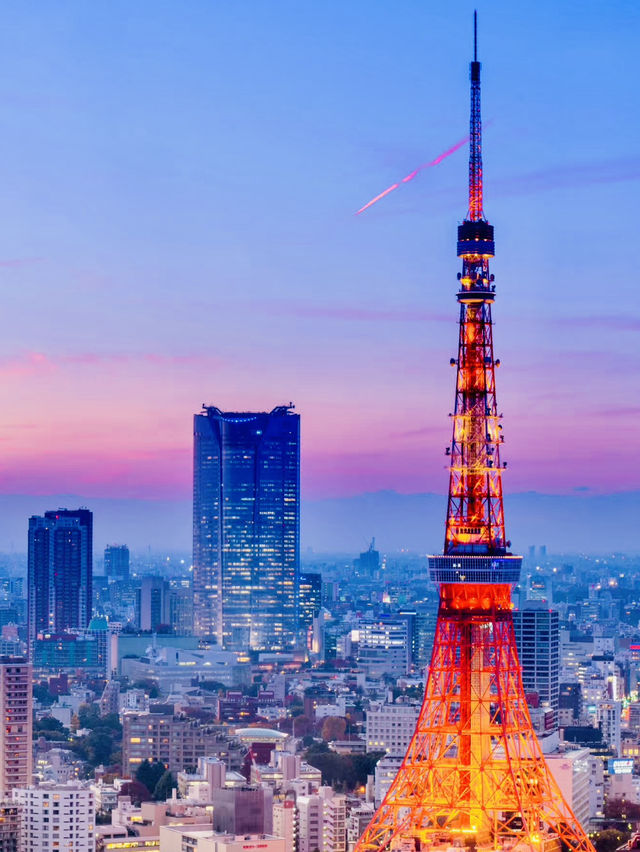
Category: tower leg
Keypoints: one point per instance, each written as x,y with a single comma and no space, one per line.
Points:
474,773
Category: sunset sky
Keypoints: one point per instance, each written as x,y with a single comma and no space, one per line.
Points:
178,184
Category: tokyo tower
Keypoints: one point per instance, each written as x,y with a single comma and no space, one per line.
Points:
474,774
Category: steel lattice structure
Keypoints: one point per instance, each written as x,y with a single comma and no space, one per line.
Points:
474,773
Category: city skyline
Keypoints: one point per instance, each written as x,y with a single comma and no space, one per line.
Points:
244,354
140,300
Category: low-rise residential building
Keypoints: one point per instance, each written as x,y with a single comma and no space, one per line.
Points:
391,726
116,838
9,826
200,838
383,646
110,698
385,772
359,818
176,741
105,796
56,816
245,810
136,700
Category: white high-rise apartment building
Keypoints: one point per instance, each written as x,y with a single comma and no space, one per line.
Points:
334,820
357,821
391,726
285,823
608,718
310,823
56,817
385,773
16,733
572,772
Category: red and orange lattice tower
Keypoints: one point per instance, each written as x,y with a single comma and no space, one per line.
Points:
474,774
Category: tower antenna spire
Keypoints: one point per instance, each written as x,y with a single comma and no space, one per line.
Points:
475,213
475,35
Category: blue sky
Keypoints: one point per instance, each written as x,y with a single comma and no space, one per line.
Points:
178,189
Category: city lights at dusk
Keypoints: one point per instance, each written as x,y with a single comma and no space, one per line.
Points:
319,387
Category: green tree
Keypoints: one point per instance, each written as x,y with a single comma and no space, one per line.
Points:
609,839
333,767
365,764
345,771
89,715
149,686
98,745
41,693
110,722
150,773
163,788
317,748
621,809
50,728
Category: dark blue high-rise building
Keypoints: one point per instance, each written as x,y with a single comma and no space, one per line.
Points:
246,527
116,561
309,598
60,571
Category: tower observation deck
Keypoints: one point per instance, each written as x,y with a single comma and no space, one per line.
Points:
474,773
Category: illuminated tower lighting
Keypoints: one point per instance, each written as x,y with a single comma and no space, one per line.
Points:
474,773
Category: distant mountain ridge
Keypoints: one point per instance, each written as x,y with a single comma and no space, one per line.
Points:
565,523
580,522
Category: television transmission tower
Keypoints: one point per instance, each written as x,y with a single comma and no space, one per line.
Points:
474,773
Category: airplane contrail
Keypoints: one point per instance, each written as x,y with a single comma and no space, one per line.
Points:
412,174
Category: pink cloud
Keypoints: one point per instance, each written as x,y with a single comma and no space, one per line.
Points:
161,473
567,175
419,432
26,364
617,323
39,362
628,411
353,313
21,261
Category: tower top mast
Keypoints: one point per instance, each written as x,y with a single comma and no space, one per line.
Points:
475,35
476,212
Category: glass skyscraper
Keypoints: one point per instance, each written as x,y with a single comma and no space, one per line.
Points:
60,571
116,561
246,527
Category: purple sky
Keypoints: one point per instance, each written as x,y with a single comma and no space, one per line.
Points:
178,190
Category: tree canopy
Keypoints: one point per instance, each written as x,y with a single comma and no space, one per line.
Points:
343,771
334,728
136,790
165,785
609,839
149,773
